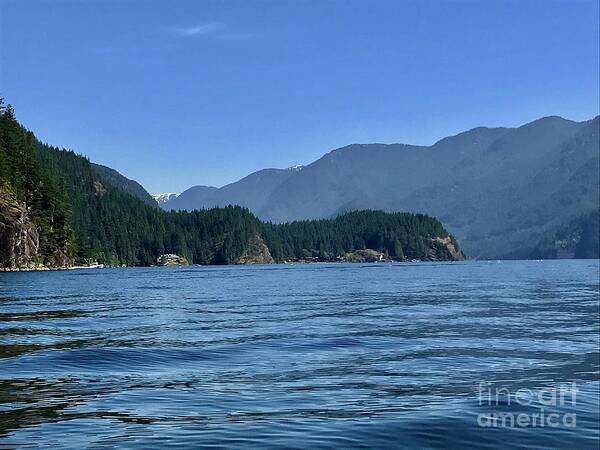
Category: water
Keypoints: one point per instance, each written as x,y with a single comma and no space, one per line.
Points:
318,356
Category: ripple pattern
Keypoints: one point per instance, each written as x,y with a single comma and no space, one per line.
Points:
305,356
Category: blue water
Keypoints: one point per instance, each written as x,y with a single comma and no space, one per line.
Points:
305,356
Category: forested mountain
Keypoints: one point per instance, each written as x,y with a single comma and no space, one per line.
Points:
576,239
498,190
112,226
57,208
114,178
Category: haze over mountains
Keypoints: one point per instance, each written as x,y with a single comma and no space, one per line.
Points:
498,190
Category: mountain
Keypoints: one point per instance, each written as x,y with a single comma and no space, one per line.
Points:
114,178
576,239
198,196
498,190
163,198
58,209
250,192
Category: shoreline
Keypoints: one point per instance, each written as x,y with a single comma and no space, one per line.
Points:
287,263
282,263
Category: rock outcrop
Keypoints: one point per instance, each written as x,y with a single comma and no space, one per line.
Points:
171,260
442,249
447,245
363,256
19,238
257,252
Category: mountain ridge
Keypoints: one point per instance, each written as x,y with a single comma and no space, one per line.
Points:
474,181
116,179
249,192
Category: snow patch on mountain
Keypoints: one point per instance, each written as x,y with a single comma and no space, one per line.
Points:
163,198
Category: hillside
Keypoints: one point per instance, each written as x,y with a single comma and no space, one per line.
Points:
114,178
576,239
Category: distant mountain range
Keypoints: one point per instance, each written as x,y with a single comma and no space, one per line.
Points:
498,190
252,191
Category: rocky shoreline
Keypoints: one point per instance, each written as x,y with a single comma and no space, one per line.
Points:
41,268
370,259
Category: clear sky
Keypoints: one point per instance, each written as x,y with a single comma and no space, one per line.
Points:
180,93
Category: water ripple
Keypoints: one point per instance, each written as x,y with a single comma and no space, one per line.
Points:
313,356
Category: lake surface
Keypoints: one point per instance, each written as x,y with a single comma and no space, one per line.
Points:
304,356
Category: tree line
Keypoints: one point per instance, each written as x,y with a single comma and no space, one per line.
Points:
82,216
399,236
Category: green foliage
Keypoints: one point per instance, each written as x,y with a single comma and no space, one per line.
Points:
40,191
114,227
399,235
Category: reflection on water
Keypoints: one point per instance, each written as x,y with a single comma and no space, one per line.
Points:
305,356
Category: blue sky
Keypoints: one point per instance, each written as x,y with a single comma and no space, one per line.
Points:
180,93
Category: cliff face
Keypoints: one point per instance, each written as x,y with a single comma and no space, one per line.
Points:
256,253
444,249
19,239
